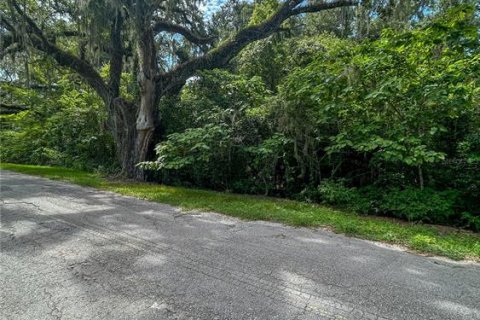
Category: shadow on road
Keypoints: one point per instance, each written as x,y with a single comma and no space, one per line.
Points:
71,252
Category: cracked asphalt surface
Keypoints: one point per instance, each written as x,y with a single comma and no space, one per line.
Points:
69,252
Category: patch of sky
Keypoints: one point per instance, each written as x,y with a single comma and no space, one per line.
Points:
209,7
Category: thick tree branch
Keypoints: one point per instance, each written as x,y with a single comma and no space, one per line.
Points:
84,69
7,36
10,49
69,33
323,5
162,26
5,23
221,55
6,40
116,60
6,108
9,42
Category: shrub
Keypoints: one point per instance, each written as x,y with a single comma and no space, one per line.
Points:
335,192
420,205
471,221
309,194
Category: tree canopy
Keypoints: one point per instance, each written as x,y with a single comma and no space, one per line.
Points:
107,33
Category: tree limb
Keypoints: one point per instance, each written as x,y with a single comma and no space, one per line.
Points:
69,33
6,108
221,55
162,26
10,49
63,58
323,5
116,60
7,38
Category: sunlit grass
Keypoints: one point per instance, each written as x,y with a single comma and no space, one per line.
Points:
452,243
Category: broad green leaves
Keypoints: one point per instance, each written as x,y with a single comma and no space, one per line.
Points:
195,147
393,97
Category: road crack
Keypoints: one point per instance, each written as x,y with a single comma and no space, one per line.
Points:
55,311
36,206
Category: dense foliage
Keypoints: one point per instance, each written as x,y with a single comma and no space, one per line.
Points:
386,126
383,121
66,127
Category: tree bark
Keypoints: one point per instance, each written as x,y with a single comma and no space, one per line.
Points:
132,127
420,177
148,70
122,126
145,124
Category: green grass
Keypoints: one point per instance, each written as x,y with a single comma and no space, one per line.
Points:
448,242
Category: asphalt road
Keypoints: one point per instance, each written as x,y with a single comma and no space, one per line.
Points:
69,252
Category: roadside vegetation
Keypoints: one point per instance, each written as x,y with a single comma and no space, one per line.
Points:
371,109
429,239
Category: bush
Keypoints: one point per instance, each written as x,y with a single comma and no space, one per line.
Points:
202,154
471,221
309,194
335,192
412,204
462,175
66,127
420,205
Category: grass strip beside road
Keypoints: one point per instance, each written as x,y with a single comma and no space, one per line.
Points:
429,239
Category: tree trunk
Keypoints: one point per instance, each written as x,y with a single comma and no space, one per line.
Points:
420,177
134,124
145,124
133,127
124,134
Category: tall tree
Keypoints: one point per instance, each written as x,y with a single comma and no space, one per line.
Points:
132,36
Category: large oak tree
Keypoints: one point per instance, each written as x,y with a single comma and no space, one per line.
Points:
128,35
